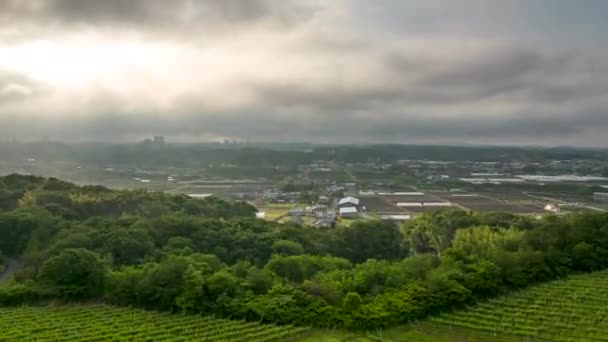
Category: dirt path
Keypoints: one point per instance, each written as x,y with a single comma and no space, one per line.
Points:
12,265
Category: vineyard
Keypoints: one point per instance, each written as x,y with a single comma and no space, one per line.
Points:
107,323
575,309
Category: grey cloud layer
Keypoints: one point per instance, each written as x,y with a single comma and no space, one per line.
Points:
324,77
152,15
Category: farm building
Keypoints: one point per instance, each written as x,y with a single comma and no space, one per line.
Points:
600,196
348,212
348,202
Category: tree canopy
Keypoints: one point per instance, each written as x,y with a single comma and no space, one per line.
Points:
179,254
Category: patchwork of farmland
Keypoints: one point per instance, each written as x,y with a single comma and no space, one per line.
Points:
379,205
571,202
416,202
411,198
575,309
479,202
106,323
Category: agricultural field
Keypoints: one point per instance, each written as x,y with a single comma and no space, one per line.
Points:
571,202
479,202
427,209
515,198
575,309
377,204
106,323
426,331
276,211
369,175
422,198
411,198
339,176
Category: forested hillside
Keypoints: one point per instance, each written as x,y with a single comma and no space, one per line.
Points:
173,253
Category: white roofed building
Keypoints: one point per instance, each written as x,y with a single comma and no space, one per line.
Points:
348,202
348,212
600,196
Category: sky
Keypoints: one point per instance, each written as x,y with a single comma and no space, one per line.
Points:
517,72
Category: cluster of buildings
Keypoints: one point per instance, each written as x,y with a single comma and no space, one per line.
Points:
156,140
322,216
279,197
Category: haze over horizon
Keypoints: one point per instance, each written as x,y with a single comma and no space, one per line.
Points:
386,71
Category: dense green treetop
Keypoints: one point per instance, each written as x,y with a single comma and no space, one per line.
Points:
178,254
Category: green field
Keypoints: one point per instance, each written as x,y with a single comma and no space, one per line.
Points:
575,309
426,331
278,211
107,323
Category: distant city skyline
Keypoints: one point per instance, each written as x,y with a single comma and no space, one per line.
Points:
388,71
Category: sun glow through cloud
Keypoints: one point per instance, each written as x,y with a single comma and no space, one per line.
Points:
77,63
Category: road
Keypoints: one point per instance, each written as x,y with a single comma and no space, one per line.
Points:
12,265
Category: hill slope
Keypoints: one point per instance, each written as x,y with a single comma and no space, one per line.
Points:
568,310
574,309
106,323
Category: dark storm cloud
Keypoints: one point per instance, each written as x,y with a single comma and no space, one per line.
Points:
528,76
503,65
